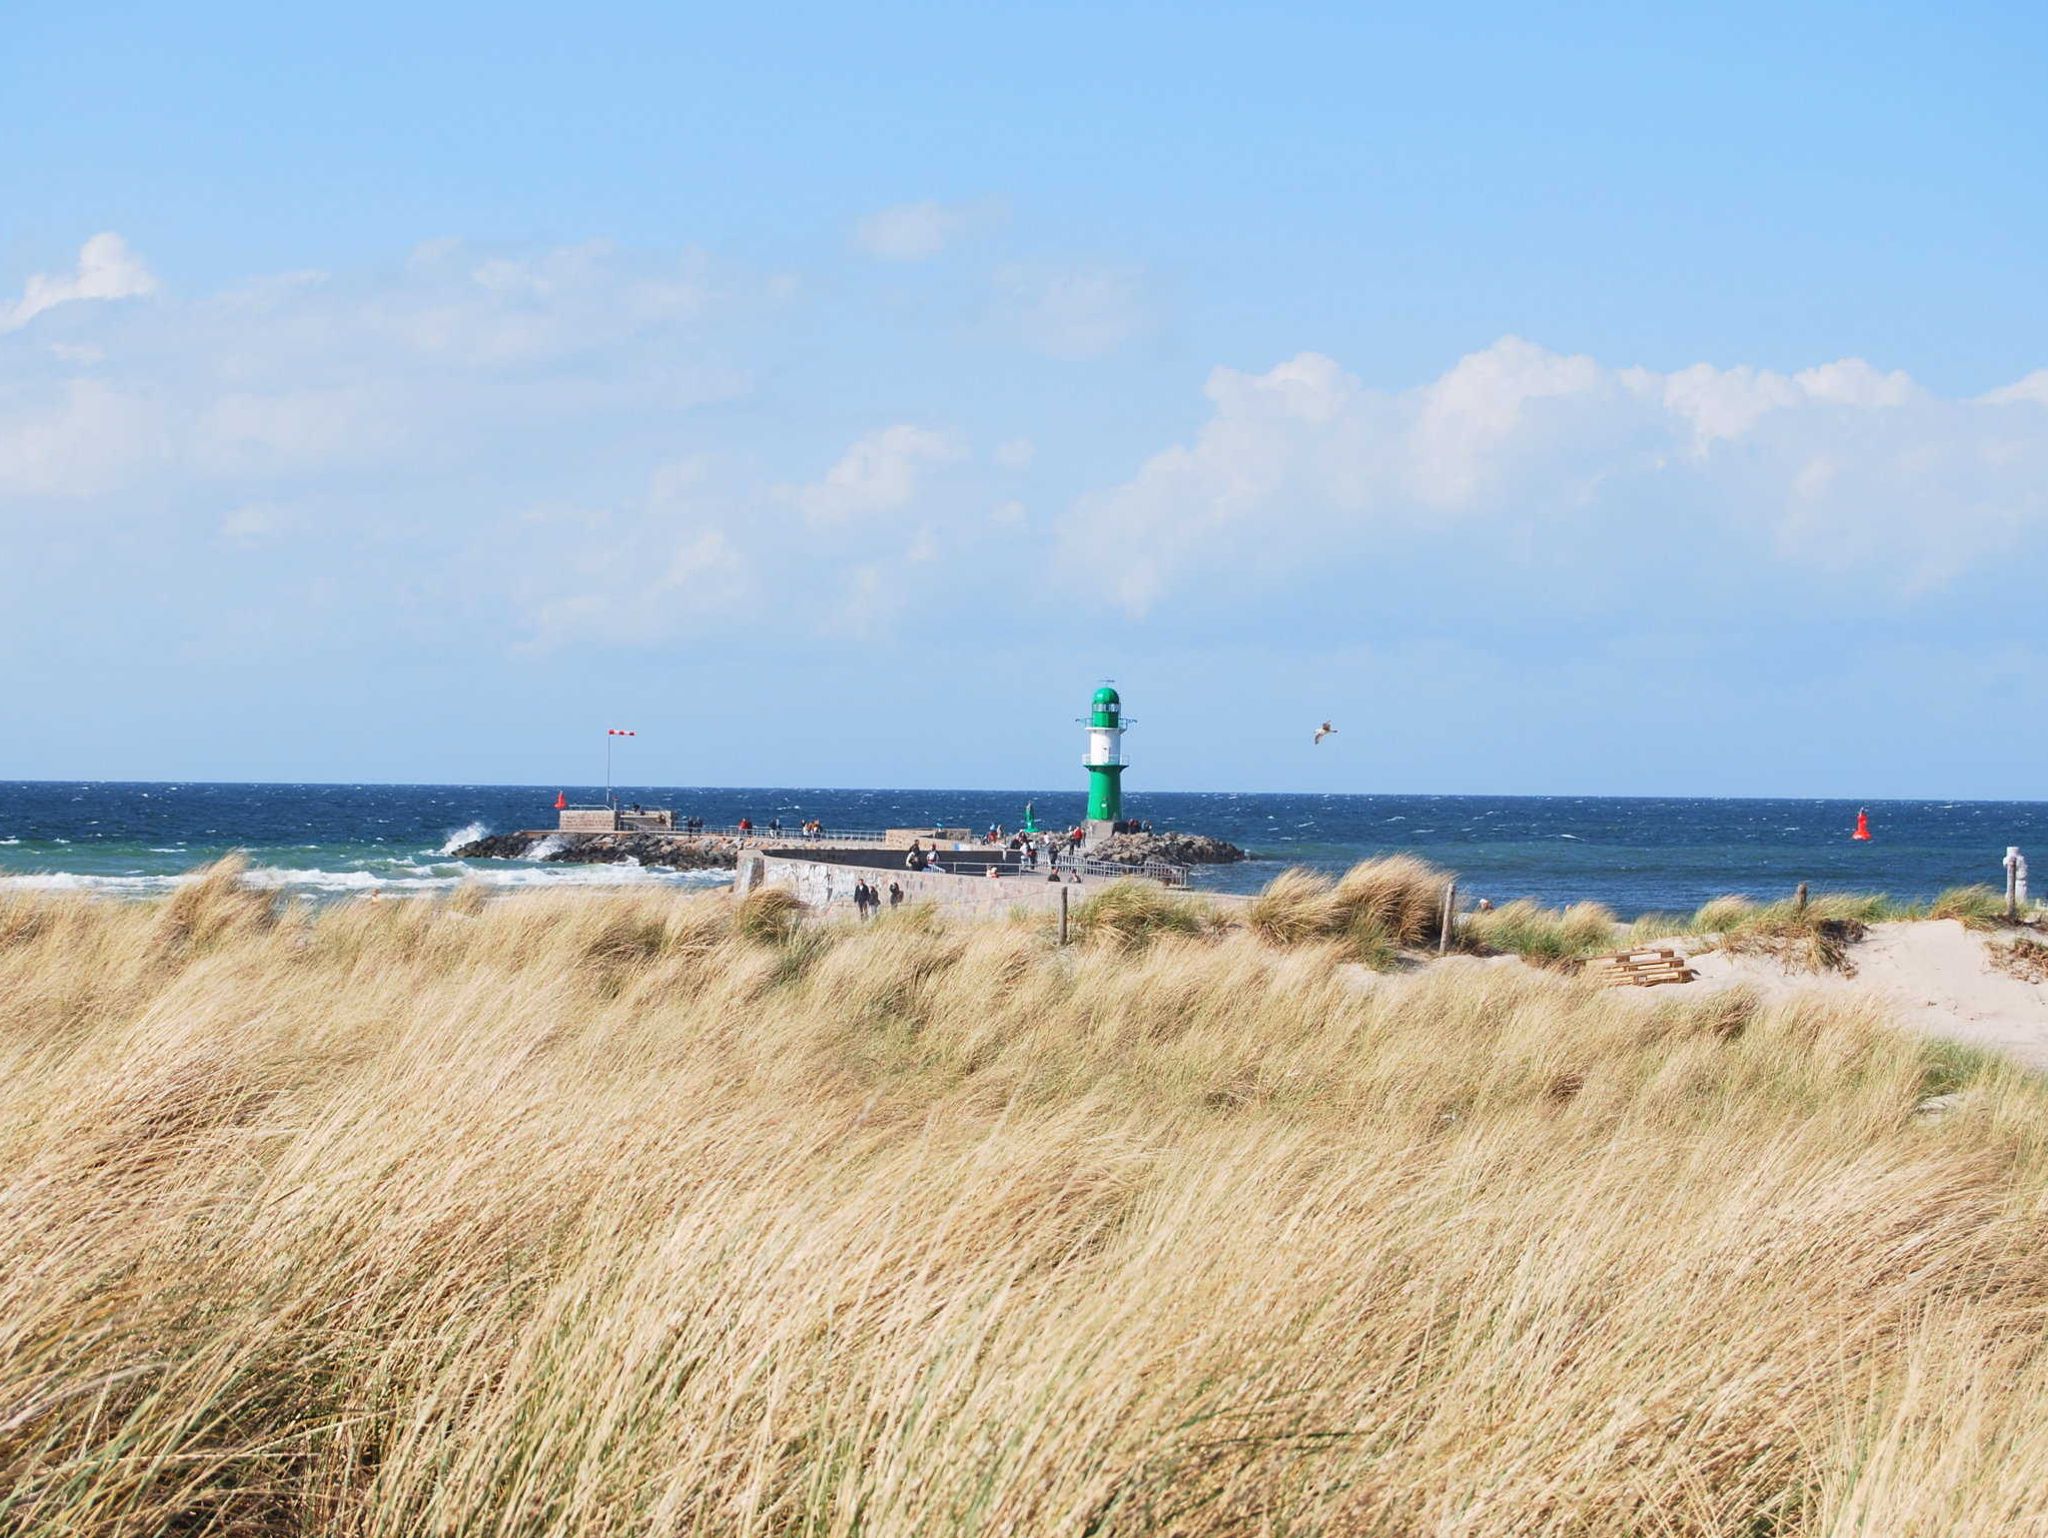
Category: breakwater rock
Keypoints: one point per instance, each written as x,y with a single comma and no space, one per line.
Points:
1179,848
667,851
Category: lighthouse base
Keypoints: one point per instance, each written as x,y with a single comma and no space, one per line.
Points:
1099,828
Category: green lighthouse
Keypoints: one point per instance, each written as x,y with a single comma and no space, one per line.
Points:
1105,762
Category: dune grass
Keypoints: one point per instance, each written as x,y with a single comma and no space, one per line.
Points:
1976,907
645,1213
1373,912
1545,936
1132,913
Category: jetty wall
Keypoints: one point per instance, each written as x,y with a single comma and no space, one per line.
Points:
828,889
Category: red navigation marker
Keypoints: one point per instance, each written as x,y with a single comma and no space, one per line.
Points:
561,800
1862,826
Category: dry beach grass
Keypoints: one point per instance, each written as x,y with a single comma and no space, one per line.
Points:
647,1214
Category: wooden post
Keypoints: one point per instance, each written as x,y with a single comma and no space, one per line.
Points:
1063,915
2012,884
1443,939
1799,898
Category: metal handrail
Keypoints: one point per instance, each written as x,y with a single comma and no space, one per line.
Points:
1165,872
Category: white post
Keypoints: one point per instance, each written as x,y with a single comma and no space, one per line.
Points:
2015,880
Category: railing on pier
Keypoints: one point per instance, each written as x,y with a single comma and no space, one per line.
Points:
962,863
629,821
793,837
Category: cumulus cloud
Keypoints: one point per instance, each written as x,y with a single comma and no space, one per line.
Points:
1073,312
882,471
300,373
1842,466
1015,454
638,596
653,568
106,269
2032,390
916,232
254,523
90,439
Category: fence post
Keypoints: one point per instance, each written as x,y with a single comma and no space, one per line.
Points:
1443,939
1063,915
1799,898
2012,883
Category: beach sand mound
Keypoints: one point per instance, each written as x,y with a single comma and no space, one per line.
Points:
1933,975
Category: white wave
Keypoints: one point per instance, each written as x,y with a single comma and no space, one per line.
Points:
72,881
405,880
464,835
547,848
9,840
272,878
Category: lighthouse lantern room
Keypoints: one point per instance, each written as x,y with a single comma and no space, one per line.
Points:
1105,762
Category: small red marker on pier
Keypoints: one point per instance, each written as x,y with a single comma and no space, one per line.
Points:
561,800
1862,826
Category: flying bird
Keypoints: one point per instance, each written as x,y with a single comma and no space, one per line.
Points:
1324,730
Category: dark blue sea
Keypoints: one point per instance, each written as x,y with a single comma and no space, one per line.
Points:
1636,855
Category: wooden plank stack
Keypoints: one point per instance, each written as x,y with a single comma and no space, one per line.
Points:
1644,967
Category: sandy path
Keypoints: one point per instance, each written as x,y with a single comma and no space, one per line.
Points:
1932,976
1935,976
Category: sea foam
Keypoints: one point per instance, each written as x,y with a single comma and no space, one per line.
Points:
464,835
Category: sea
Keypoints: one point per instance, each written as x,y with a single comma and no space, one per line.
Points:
1636,854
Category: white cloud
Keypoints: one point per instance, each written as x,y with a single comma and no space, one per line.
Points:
868,602
627,579
1015,454
300,373
106,269
1008,514
882,471
254,523
1839,467
1073,313
88,441
2031,390
244,432
915,232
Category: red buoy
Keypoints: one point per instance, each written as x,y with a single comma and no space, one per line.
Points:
1862,826
560,801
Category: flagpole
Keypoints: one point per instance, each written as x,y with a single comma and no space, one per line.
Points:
607,766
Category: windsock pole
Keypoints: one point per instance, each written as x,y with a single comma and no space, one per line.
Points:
610,733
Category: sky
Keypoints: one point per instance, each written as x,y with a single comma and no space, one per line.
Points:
1612,400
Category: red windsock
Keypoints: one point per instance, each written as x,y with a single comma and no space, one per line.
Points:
561,801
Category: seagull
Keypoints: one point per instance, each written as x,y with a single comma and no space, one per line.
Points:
1324,730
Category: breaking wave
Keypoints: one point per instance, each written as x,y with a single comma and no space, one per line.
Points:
409,879
464,835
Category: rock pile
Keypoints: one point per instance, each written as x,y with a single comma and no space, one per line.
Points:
1176,848
708,853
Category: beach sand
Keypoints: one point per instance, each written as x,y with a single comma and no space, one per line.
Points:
1934,976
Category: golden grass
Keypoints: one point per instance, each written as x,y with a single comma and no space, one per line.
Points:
575,1214
1546,936
1376,909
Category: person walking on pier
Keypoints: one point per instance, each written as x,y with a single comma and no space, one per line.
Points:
895,894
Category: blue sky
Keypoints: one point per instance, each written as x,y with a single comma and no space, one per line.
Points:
1618,400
